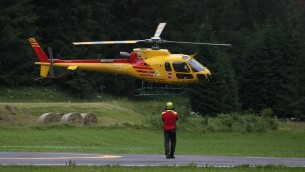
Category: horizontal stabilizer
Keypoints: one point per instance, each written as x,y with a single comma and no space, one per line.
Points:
72,67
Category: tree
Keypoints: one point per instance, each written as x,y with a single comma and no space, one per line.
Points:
16,25
272,76
291,101
262,70
220,95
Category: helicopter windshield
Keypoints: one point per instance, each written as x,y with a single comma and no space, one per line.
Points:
195,65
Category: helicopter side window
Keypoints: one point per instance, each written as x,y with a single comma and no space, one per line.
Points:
181,67
184,76
168,66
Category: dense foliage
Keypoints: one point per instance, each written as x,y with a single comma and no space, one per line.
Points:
263,69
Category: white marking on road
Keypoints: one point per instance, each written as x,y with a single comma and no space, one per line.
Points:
73,147
68,157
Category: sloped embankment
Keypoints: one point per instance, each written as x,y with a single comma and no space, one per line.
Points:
108,114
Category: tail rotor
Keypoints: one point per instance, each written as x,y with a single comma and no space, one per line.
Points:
51,62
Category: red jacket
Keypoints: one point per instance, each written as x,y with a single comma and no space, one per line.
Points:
169,119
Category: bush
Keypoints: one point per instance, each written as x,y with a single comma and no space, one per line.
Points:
266,113
248,122
233,122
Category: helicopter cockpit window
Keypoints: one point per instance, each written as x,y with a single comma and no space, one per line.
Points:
195,65
181,67
168,66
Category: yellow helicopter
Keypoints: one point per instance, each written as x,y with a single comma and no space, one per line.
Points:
149,64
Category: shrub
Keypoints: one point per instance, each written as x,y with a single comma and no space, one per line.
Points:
248,122
266,113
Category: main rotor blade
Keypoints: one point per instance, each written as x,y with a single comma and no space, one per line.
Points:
107,42
199,43
159,30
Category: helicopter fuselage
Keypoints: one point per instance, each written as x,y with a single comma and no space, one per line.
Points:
150,65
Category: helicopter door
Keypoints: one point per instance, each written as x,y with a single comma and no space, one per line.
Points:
168,67
182,70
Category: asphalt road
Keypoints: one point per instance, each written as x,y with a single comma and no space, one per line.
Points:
61,159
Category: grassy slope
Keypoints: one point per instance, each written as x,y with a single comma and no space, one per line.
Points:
107,113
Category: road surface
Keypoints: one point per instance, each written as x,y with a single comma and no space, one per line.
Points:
61,159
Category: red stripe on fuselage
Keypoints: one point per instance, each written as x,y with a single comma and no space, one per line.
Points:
142,67
145,75
145,71
153,78
90,61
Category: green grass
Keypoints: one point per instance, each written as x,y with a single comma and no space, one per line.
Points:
139,141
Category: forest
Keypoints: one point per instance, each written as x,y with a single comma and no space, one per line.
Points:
263,69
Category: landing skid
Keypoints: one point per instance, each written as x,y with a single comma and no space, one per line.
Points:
153,89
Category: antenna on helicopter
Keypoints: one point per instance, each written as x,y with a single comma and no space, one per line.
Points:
155,40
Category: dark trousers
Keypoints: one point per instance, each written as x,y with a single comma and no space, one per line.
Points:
170,135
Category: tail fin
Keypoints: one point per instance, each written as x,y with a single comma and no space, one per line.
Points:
43,58
38,51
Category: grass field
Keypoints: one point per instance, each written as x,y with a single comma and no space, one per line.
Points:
123,129
131,126
138,141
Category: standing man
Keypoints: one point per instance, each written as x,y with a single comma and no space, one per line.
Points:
169,118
